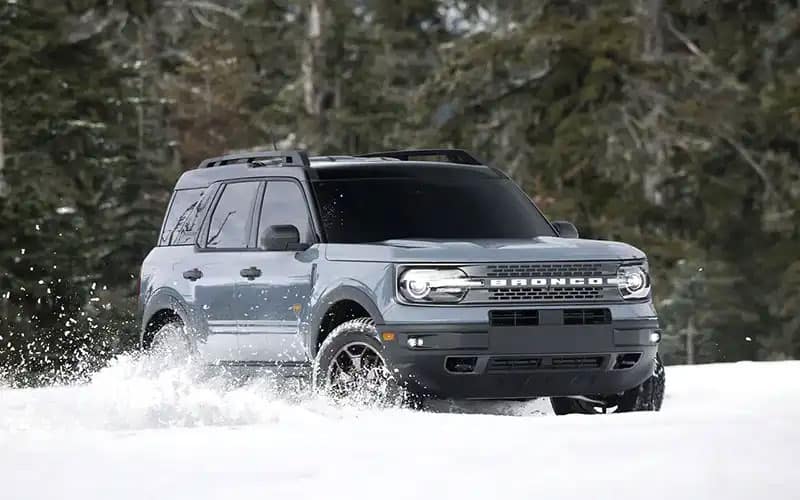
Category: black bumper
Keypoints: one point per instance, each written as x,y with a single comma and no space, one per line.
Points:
517,362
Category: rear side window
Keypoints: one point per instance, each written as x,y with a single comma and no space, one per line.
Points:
184,203
230,222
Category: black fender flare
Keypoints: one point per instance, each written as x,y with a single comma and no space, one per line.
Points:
164,299
327,300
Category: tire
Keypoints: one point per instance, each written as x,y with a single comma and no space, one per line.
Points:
645,397
171,343
350,367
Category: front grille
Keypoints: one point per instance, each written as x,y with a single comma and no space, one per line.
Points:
559,269
587,317
509,364
514,318
511,283
546,295
513,364
576,362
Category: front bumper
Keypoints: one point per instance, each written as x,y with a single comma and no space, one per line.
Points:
554,357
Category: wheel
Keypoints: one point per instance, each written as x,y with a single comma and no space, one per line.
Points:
350,366
171,343
645,397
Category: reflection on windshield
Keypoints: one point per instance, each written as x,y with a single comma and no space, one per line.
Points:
373,210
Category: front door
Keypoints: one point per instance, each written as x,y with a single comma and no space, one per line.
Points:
275,285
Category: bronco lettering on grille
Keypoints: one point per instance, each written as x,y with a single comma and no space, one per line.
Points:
550,282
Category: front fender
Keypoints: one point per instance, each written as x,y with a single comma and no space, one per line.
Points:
348,290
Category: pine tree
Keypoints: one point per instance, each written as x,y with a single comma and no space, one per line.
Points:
69,172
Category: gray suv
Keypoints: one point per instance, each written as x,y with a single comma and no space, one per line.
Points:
424,270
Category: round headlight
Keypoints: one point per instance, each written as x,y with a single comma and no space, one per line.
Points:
418,289
433,285
634,282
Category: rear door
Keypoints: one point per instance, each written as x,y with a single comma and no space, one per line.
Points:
224,242
273,298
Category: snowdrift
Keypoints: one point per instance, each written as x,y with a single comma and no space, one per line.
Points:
141,430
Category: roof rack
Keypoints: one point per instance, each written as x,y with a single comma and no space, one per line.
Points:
452,155
331,157
289,157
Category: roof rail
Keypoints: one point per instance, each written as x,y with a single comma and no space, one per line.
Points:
290,157
452,155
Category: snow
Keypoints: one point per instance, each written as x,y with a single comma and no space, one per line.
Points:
145,430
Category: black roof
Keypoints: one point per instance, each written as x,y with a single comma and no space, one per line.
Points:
298,165
399,169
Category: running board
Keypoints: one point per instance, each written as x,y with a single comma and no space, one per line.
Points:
264,364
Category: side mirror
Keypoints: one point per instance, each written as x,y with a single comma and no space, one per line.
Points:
565,229
281,238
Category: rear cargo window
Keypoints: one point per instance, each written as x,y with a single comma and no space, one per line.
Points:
182,210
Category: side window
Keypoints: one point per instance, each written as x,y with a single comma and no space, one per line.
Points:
186,229
183,204
230,222
284,204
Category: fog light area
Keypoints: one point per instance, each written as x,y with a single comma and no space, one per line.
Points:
415,342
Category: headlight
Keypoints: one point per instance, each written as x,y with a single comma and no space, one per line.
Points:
434,285
633,282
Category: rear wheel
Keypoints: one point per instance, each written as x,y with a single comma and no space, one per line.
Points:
171,342
645,397
350,366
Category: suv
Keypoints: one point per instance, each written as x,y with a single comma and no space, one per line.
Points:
424,269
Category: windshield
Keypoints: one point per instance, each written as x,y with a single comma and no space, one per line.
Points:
371,210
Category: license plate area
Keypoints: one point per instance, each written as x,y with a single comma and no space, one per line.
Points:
550,331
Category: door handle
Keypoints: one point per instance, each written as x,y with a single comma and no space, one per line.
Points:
193,274
250,273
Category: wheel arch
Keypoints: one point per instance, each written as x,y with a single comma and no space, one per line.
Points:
343,304
164,306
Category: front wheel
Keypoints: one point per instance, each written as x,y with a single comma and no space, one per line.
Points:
350,366
645,397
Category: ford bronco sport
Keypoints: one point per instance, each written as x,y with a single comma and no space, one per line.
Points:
426,268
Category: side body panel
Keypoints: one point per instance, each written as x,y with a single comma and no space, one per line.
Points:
270,306
204,304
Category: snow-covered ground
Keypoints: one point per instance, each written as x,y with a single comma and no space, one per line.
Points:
727,431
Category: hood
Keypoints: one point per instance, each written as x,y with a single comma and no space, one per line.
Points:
541,249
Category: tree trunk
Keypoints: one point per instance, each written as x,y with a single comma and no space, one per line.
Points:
140,85
313,66
653,50
653,43
2,152
690,334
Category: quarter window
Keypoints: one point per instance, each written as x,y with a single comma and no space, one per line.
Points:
230,222
184,204
185,232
